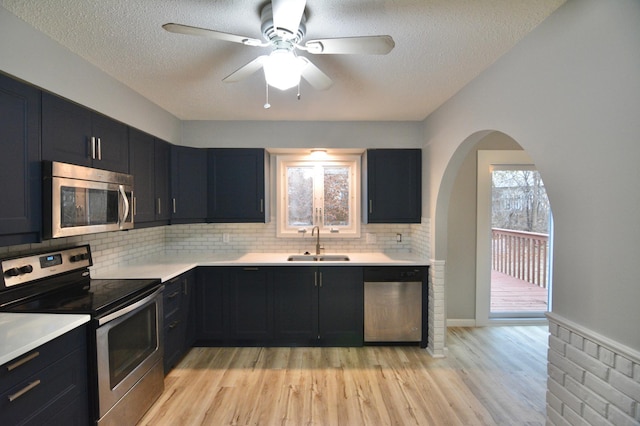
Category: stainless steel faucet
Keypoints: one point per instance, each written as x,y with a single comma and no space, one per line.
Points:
317,238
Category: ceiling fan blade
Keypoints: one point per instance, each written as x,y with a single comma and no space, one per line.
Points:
367,45
218,35
287,14
314,76
245,70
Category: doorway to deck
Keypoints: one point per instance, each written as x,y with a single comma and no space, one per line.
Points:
515,230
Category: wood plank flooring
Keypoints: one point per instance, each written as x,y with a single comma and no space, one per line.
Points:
491,376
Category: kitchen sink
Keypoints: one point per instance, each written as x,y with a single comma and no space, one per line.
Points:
318,258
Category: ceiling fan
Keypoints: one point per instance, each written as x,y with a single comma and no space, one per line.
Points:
283,28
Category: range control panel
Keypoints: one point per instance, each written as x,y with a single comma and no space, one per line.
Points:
32,267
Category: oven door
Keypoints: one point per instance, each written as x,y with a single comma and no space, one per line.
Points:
129,345
81,207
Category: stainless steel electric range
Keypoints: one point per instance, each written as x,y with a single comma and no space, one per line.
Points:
125,337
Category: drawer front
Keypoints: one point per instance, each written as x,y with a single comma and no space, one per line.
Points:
50,391
19,369
172,296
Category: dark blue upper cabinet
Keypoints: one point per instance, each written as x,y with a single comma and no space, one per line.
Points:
74,134
238,185
162,154
393,186
188,184
20,171
142,167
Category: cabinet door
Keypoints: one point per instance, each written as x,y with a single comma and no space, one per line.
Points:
236,185
295,305
341,306
210,318
66,131
20,184
250,306
162,190
142,167
188,310
188,184
394,190
112,144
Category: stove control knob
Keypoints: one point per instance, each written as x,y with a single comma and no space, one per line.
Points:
79,257
13,272
26,269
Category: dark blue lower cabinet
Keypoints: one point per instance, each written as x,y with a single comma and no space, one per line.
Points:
279,306
49,384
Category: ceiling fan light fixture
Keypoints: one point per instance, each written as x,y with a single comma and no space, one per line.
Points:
282,69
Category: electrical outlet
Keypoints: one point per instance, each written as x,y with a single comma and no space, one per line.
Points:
371,238
225,238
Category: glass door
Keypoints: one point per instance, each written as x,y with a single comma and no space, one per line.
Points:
520,243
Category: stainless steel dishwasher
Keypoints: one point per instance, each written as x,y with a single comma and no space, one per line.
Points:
393,304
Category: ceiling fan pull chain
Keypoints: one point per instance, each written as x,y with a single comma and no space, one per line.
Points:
267,105
298,90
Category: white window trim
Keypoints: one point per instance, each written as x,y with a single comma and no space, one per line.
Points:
282,161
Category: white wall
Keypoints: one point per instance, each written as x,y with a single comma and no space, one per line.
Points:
301,134
35,58
569,94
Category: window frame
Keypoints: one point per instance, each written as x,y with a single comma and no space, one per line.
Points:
353,162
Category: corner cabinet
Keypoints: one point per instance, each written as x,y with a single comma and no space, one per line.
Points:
238,184
392,190
188,184
74,134
20,170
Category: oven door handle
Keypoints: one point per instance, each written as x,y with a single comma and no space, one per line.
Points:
129,308
126,206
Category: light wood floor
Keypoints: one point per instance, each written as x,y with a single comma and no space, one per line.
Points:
493,375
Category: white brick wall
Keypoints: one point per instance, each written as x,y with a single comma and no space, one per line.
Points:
591,380
437,321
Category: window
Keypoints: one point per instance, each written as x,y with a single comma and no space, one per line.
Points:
323,193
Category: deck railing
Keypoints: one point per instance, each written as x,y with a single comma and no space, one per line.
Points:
521,255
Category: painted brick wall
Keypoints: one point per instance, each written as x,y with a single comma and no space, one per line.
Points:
592,381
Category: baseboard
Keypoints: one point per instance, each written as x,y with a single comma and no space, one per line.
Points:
461,323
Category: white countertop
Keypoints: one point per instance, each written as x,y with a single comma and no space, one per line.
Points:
166,267
20,333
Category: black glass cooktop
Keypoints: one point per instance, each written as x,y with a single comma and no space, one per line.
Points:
101,297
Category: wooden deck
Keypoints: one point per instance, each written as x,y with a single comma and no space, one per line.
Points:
510,294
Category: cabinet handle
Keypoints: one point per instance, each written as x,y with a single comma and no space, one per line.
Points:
250,269
320,279
93,147
174,206
23,361
261,205
135,210
185,287
174,294
24,390
315,279
174,324
159,205
370,206
99,149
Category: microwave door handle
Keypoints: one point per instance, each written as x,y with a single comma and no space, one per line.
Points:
126,205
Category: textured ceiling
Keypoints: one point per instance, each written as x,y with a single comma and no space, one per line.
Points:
441,45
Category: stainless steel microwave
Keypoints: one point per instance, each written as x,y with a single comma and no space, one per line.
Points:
81,200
